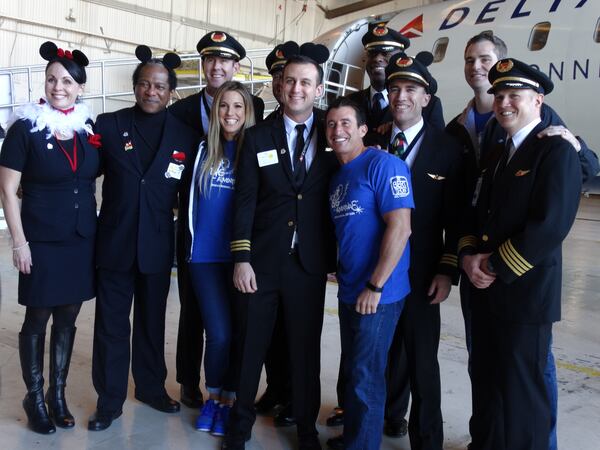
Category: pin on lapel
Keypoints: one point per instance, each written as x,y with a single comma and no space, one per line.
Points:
49,146
520,173
128,146
125,134
282,151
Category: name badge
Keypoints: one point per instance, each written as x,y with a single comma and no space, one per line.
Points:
267,158
174,171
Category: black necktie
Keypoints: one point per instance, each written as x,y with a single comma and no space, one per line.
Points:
508,148
299,163
377,109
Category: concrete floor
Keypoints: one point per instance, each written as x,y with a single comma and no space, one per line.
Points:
576,347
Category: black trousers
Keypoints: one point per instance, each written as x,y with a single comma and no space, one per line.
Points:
418,334
112,330
511,407
277,362
301,298
190,333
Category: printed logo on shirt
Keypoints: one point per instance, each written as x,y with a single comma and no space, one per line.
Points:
399,186
341,208
223,177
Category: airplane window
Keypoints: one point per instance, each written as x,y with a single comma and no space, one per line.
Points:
539,36
597,32
439,49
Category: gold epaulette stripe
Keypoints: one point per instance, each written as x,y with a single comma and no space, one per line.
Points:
513,259
467,241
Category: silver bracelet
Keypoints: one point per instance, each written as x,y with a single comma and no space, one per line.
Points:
21,246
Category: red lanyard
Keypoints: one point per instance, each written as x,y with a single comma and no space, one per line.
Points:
72,161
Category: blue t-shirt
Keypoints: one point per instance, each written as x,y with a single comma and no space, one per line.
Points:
481,119
214,212
360,193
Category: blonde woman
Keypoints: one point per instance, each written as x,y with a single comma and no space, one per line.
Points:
209,217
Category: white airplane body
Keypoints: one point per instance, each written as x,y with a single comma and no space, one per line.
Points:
571,55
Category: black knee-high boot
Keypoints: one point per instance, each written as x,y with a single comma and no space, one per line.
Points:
31,353
61,348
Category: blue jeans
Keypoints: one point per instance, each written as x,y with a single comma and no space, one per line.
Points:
366,340
213,289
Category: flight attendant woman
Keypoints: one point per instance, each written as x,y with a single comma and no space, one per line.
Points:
50,150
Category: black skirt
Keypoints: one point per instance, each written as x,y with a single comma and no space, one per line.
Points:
63,273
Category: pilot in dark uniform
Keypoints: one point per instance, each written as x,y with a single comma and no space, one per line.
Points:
283,244
381,43
145,152
220,54
277,367
524,206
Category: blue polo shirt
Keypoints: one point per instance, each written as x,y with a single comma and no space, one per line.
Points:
360,193
214,214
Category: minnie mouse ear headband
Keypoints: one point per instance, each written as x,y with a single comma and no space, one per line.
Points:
50,52
317,52
170,60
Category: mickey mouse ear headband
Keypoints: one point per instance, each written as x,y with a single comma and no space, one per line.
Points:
317,52
50,52
170,60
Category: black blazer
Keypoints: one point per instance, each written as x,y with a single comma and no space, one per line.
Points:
522,216
188,110
136,217
436,176
432,114
56,202
268,207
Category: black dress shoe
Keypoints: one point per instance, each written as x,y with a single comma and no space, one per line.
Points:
336,443
336,418
267,402
191,396
396,429
162,403
101,420
285,417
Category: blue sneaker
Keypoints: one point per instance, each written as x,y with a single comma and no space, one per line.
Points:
204,422
219,427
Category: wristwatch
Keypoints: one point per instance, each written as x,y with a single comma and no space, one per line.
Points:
373,288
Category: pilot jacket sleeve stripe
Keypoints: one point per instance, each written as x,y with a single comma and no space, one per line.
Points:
246,194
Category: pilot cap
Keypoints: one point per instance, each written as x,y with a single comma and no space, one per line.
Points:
221,44
510,73
402,66
277,58
383,39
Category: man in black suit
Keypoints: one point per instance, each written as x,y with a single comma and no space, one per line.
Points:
381,43
277,367
478,131
283,245
435,162
523,208
221,54
144,152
